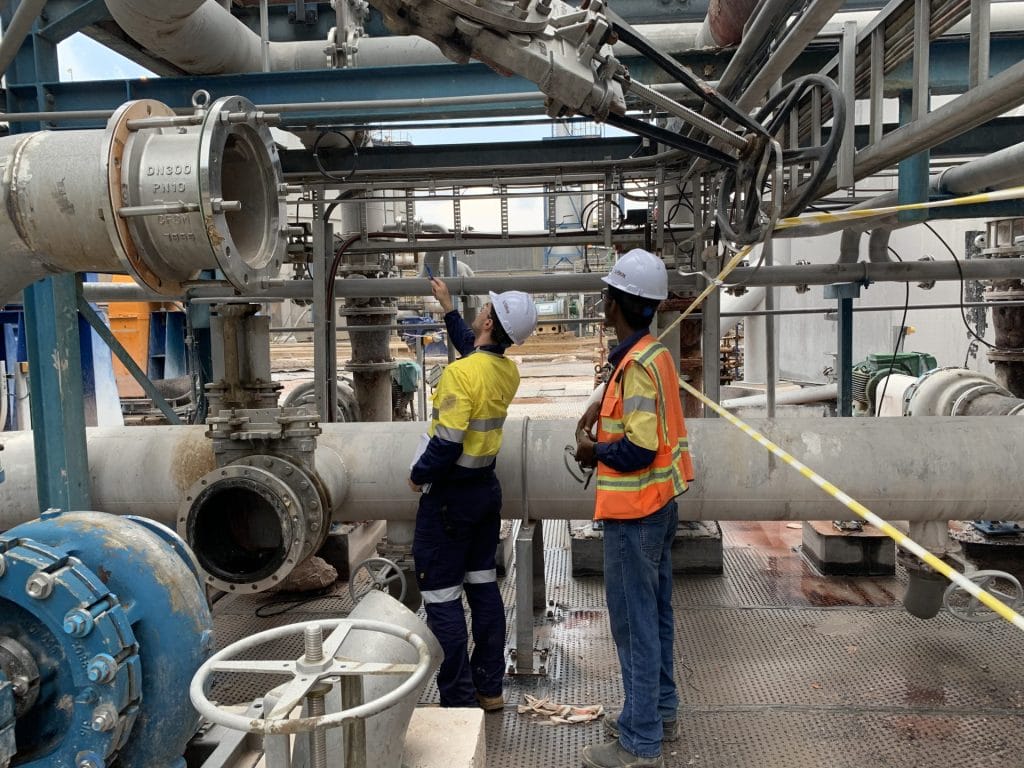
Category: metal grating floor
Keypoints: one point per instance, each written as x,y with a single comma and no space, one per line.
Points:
778,667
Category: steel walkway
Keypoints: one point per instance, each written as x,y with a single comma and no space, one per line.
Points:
777,668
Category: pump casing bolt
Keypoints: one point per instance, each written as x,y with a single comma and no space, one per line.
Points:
40,586
102,668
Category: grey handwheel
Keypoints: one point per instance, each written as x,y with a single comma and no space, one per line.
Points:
377,573
1003,586
321,661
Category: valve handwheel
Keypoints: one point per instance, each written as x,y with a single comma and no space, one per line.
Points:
377,573
1003,586
309,674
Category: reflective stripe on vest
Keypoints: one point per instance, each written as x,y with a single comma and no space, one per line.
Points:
471,403
629,495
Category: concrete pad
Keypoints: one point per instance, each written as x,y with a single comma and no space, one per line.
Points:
697,548
445,738
848,553
348,544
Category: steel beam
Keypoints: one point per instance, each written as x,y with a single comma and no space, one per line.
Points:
66,17
115,346
56,398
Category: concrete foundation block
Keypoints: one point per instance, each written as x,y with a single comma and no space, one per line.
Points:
697,548
445,738
848,553
348,544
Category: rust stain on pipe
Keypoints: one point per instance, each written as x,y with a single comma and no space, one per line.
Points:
726,19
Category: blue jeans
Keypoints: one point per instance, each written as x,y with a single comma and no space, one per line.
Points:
457,530
638,586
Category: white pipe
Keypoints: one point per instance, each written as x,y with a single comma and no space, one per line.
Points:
21,24
749,301
801,396
202,37
906,469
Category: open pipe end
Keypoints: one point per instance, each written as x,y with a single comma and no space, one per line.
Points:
246,528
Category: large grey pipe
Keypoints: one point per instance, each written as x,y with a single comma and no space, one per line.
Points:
145,196
202,37
906,469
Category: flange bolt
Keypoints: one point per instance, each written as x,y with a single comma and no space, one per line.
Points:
103,720
78,623
102,668
89,760
40,585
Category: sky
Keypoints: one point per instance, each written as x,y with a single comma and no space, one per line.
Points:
82,59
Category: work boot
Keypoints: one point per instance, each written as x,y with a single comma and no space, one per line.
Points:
490,703
669,728
612,754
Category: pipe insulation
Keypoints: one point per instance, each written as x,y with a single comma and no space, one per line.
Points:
908,469
158,197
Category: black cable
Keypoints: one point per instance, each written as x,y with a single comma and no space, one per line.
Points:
285,606
899,336
963,311
584,221
319,164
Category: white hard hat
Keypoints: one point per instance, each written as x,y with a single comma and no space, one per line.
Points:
639,273
516,313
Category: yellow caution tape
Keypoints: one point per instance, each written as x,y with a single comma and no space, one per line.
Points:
1013,193
896,535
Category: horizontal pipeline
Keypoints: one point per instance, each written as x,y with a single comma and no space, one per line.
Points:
811,274
919,468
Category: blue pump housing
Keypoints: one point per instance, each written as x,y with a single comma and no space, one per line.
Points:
113,613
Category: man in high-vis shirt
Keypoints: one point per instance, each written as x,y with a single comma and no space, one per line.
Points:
458,521
643,463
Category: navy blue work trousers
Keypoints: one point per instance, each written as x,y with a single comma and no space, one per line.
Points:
457,529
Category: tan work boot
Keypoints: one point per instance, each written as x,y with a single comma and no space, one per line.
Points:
669,728
613,755
491,703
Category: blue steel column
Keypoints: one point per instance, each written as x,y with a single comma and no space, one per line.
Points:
845,293
913,171
51,327
55,393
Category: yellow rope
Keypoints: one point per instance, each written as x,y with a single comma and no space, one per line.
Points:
896,535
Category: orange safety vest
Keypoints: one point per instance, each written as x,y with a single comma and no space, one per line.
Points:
630,495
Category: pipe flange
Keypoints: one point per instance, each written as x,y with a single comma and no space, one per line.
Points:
970,395
231,130
387,365
246,527
21,670
79,640
8,744
309,490
996,295
1005,356
115,139
383,311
